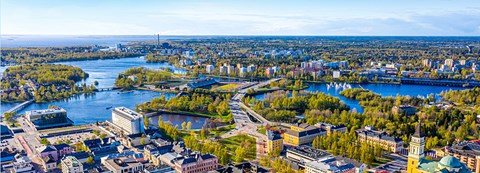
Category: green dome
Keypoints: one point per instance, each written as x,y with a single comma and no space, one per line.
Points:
450,161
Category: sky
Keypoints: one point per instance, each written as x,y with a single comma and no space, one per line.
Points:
241,17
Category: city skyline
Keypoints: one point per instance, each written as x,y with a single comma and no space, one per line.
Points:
210,17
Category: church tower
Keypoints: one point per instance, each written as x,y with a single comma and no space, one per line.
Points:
416,150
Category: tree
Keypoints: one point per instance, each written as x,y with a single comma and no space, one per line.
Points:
203,133
145,122
142,141
184,124
44,141
239,154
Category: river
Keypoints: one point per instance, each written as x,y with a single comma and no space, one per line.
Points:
84,109
382,89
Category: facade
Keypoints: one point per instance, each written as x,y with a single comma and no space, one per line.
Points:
404,110
22,164
70,164
123,165
49,164
48,118
418,164
274,141
128,120
269,72
304,154
387,142
329,167
336,74
230,69
48,151
242,71
251,68
299,134
196,163
468,153
210,69
330,128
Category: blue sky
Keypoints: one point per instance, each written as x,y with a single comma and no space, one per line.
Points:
245,17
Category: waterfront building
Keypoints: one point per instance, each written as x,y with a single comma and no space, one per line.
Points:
468,153
196,163
210,69
251,68
199,83
70,164
128,120
242,71
387,142
48,118
274,141
301,133
304,154
404,110
418,164
230,69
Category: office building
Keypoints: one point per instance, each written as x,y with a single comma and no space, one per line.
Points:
372,136
196,163
128,120
418,164
274,142
70,164
48,118
301,133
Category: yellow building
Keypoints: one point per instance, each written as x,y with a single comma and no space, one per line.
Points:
299,134
418,164
274,142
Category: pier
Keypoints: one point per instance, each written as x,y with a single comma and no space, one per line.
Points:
441,82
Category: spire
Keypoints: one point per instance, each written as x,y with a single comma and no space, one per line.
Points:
418,133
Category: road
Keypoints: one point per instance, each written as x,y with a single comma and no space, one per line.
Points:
243,123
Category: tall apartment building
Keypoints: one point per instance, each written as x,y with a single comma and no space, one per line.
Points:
387,142
210,69
48,118
128,120
71,164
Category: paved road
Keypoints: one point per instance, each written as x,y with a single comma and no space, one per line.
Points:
397,164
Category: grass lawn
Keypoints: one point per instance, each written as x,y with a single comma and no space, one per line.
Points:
262,130
232,142
226,87
220,130
379,161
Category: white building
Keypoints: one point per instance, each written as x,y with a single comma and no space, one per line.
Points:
128,120
336,74
242,71
230,69
70,164
223,70
251,68
209,69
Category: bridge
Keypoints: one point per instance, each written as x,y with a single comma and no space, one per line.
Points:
106,89
20,106
441,82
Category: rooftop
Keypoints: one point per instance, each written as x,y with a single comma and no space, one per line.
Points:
309,151
130,113
45,111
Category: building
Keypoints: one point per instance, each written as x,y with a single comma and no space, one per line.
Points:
329,166
404,110
449,62
242,71
418,164
274,142
230,69
196,163
210,69
387,142
301,133
223,70
245,167
48,118
70,164
49,164
48,151
22,164
128,120
426,63
251,68
330,128
199,83
269,72
467,152
304,154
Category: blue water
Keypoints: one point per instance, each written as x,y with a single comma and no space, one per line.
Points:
105,71
84,109
382,89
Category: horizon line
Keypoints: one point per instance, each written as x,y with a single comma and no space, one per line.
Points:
240,35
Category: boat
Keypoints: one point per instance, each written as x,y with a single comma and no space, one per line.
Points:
109,107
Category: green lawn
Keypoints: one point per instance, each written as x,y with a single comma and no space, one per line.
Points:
380,161
262,130
232,142
220,130
226,87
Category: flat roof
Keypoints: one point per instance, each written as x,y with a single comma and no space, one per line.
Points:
130,113
45,111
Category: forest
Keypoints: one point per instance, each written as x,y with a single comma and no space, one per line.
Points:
140,76
42,82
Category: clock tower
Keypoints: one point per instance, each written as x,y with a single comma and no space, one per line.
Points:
416,150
